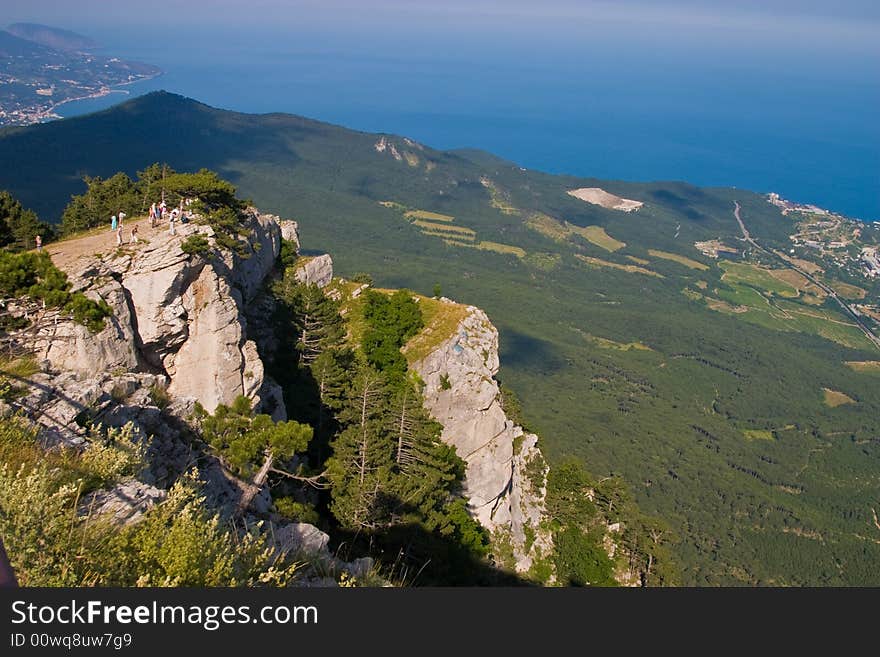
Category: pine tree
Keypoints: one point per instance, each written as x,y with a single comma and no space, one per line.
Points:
363,455
244,440
315,317
18,226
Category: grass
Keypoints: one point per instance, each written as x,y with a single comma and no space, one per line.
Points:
441,320
431,216
427,225
559,231
632,269
847,291
835,398
605,343
498,199
502,248
597,235
544,261
758,434
674,257
547,226
757,277
864,366
463,237
19,368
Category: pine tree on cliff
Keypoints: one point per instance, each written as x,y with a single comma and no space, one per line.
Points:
249,442
315,317
330,371
427,471
362,464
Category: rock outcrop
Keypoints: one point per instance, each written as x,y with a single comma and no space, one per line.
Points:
316,271
506,472
174,314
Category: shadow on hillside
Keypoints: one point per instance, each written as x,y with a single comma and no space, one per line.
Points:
526,351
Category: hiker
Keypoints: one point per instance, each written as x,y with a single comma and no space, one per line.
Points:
122,216
153,216
171,224
162,208
38,241
134,234
119,235
113,222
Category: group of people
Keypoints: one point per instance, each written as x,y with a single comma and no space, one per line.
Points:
158,213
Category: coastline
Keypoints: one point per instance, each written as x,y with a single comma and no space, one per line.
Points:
51,115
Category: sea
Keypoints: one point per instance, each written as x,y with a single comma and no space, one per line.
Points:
800,117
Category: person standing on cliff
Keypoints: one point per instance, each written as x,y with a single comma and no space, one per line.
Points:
38,242
119,235
153,216
113,223
171,219
122,216
134,234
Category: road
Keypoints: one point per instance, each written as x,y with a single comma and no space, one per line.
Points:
790,265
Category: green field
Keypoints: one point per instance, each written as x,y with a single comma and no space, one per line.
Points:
672,420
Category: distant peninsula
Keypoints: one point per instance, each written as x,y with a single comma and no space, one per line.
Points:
43,67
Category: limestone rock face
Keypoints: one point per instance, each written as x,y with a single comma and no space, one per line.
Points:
502,461
290,231
179,315
316,271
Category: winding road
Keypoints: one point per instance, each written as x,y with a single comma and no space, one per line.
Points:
828,290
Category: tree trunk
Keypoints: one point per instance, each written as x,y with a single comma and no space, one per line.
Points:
253,488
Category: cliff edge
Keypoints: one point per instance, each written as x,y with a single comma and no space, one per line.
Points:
506,472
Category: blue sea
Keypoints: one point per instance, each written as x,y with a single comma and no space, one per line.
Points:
798,117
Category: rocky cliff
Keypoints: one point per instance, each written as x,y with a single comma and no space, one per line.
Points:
191,328
178,315
506,472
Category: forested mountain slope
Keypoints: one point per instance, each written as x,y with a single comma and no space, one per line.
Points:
719,388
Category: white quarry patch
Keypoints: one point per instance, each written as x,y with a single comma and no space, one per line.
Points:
598,196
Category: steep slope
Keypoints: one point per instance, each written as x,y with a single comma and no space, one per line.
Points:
700,381
505,468
174,314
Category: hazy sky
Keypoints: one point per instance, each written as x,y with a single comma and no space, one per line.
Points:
831,15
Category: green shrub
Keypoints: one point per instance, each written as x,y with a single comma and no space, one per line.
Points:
288,254
159,396
290,509
178,542
196,245
33,275
444,382
391,321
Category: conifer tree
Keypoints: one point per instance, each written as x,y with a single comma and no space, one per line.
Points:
245,440
363,455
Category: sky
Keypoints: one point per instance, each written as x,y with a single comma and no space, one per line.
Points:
860,16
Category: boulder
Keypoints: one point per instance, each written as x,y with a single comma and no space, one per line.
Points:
302,538
316,271
125,503
290,231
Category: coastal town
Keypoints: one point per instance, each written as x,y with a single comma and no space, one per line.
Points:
847,244
36,79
